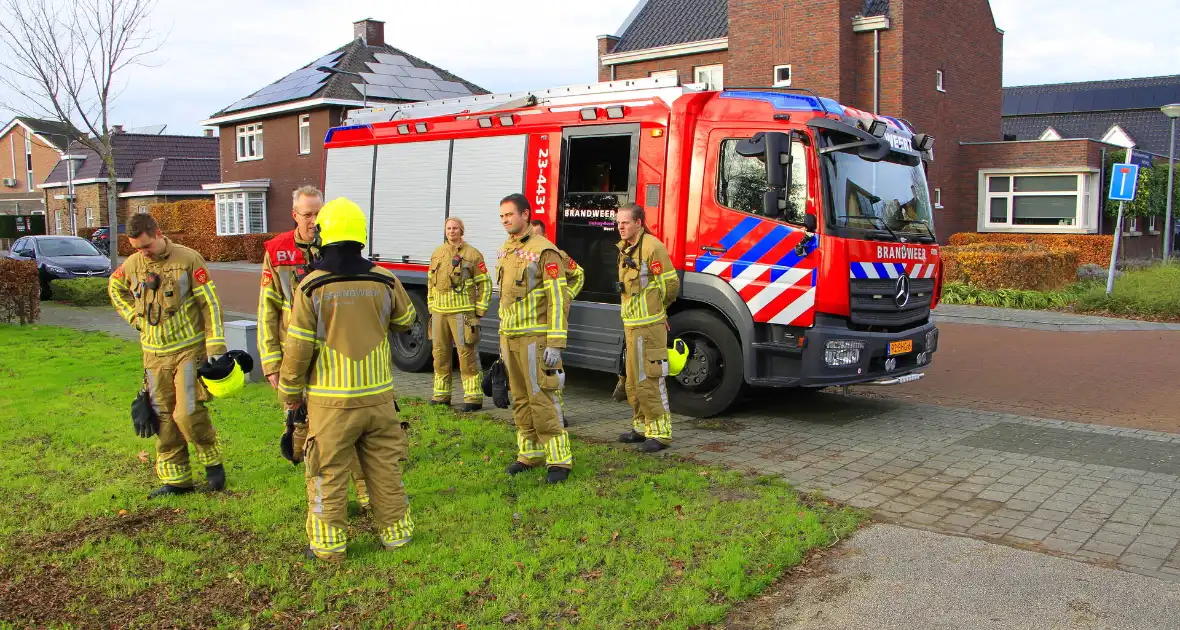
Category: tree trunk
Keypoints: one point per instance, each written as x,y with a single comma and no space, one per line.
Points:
113,211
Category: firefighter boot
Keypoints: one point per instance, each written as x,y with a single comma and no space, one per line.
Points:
651,446
557,474
168,490
215,475
470,407
632,437
517,467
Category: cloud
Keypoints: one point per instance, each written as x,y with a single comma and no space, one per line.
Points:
218,51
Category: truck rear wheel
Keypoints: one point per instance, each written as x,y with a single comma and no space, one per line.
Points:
712,379
411,349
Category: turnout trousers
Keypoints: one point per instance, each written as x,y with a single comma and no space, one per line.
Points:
540,436
378,440
178,397
647,365
461,331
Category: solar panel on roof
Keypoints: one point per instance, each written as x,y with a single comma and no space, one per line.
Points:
1103,100
393,60
1028,105
421,84
377,91
1066,101
397,71
1084,102
1011,103
1046,102
1142,97
412,94
381,79
422,73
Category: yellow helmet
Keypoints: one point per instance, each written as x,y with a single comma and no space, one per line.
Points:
677,356
226,376
341,220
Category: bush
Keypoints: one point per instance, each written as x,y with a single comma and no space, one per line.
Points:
87,232
247,247
255,246
80,291
192,216
1091,248
1010,266
20,291
959,293
1152,292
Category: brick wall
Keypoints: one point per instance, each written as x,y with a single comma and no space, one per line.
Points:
282,163
814,36
959,38
12,163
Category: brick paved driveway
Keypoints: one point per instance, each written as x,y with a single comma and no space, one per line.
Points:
1102,494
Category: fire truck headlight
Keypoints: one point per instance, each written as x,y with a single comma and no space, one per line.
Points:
932,340
842,352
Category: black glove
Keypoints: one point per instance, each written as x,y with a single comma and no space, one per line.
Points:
143,415
287,444
495,384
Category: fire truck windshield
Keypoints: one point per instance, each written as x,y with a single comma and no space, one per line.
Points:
889,197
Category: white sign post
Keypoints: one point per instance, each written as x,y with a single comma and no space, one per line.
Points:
1123,179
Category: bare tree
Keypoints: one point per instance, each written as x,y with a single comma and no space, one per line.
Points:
61,60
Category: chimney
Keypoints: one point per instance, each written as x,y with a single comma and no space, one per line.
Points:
208,133
370,31
116,128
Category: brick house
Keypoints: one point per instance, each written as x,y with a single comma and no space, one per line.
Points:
149,169
272,140
901,58
29,149
1057,119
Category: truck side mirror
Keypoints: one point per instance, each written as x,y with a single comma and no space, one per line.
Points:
774,147
809,222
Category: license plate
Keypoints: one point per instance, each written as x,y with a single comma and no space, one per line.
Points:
901,347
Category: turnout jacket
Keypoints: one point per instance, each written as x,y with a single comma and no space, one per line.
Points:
171,301
286,261
533,289
650,284
458,281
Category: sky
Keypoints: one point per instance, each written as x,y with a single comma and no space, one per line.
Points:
215,52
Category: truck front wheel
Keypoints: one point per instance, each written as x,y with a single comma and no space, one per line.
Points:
712,379
411,349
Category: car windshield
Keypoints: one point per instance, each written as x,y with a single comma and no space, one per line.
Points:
889,196
66,247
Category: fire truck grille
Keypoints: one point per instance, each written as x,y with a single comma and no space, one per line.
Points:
873,302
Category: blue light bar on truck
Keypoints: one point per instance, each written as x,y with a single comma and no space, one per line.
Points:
328,136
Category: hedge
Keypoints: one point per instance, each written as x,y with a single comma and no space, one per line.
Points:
1091,248
248,247
1010,266
195,217
81,291
20,291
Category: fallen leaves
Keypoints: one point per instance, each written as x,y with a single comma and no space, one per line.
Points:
143,457
512,617
679,511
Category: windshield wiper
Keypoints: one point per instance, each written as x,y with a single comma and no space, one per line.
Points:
921,222
874,218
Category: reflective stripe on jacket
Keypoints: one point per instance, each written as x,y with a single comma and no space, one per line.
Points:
650,283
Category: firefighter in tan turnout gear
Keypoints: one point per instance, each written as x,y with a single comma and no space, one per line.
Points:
459,291
286,261
337,354
575,278
532,336
164,291
648,284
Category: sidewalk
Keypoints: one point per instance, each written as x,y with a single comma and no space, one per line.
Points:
1039,320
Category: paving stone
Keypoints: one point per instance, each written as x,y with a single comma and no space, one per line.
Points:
1106,548
1114,538
1061,545
1029,533
1073,535
921,518
1136,561
1150,551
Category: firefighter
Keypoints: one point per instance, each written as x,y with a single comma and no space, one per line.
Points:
164,291
458,293
575,278
532,336
336,361
287,259
648,284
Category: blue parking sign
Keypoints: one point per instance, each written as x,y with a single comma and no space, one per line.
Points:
1122,182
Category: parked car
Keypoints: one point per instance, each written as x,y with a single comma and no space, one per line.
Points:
101,239
61,258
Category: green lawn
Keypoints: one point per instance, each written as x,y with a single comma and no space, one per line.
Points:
629,541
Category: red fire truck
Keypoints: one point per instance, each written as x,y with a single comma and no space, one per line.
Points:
802,228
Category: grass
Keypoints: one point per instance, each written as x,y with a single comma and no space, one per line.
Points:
80,291
627,542
1148,293
1153,292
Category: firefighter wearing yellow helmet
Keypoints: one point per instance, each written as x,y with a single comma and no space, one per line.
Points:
337,355
164,291
648,284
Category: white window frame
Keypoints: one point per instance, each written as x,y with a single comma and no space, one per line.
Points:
143,210
29,163
1131,227
670,74
90,217
937,198
245,152
785,82
57,222
304,134
1151,225
233,212
1085,219
708,71
939,81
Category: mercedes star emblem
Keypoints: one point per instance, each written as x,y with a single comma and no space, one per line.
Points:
901,292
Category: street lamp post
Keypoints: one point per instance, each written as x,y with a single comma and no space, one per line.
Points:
1171,111
364,83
